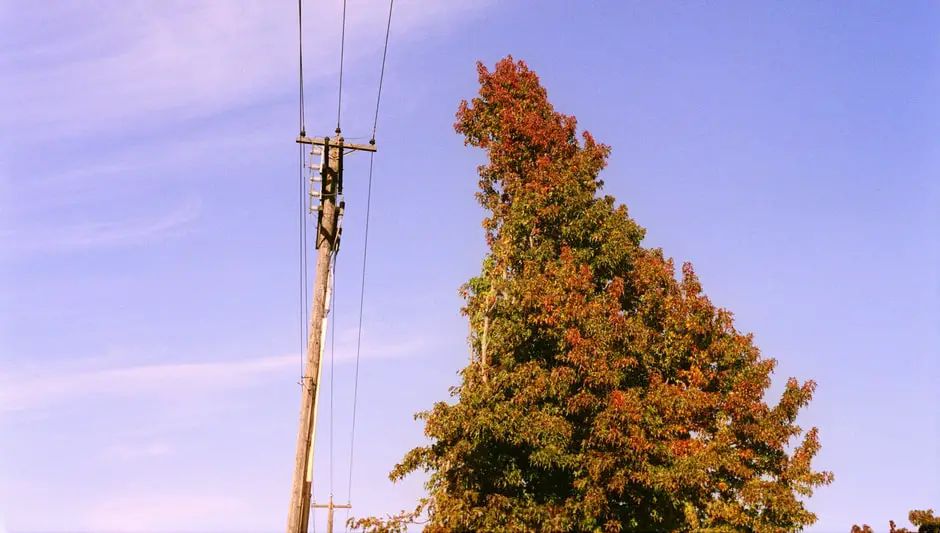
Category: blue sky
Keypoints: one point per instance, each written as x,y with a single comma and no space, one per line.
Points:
151,329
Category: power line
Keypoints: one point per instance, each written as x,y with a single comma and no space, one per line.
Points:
342,53
365,251
362,292
300,29
303,265
378,98
303,225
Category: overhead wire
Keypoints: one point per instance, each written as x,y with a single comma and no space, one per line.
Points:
339,114
304,207
378,98
304,259
303,227
365,251
300,29
304,278
342,54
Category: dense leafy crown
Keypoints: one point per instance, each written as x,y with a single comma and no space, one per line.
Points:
603,394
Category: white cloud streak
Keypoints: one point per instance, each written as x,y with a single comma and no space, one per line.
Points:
180,511
128,64
33,390
82,236
134,73
128,167
30,389
124,452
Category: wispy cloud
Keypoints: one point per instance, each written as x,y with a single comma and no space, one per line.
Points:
112,173
127,77
24,390
124,452
180,511
121,65
35,388
63,237
345,347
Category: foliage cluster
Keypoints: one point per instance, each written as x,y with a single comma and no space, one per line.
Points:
605,392
924,521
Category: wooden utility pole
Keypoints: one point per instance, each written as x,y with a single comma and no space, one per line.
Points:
308,480
327,237
329,516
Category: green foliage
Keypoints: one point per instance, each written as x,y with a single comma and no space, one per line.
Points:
605,394
924,521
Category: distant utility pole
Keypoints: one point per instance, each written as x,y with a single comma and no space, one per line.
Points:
329,516
327,239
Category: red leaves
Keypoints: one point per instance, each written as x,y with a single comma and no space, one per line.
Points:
617,400
573,337
681,447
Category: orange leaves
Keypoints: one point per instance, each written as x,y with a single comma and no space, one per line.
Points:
573,337
694,377
681,447
617,400
580,402
511,104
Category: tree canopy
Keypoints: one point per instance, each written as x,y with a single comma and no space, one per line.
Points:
924,521
605,391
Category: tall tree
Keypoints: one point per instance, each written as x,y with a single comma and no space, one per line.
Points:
604,394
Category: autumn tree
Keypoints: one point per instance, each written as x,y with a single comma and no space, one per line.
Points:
924,521
604,394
